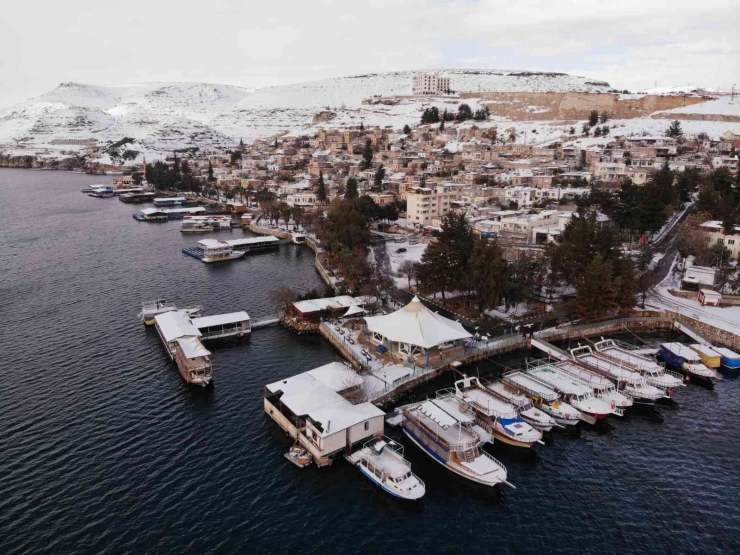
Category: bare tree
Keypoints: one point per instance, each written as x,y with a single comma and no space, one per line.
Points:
282,299
407,269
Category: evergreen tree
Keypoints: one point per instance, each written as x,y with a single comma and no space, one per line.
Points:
586,129
362,126
367,156
442,125
464,112
487,269
211,179
351,190
379,177
572,130
430,115
603,117
241,144
407,130
604,130
321,189
593,118
674,130
597,132
596,294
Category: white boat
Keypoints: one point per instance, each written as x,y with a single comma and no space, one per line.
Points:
493,414
654,372
544,397
94,188
631,382
576,393
447,437
381,460
604,388
531,415
195,227
203,224
217,251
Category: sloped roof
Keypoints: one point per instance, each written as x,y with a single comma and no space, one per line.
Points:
417,325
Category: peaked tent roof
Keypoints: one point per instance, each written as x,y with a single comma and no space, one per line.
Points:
417,325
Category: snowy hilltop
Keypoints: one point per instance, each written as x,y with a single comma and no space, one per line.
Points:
161,117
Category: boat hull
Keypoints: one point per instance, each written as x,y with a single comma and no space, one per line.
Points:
394,493
731,363
513,442
440,460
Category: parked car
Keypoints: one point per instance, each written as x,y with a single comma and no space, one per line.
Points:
401,250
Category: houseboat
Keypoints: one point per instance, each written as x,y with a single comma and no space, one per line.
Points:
193,361
152,215
94,188
730,359
544,397
527,411
683,358
654,372
190,226
250,244
102,193
495,415
221,326
447,437
169,202
213,250
136,198
575,393
201,224
381,461
629,381
298,238
603,388
710,357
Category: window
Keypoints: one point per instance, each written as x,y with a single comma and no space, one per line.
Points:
367,426
731,241
721,240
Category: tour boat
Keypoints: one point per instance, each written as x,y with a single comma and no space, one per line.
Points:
730,359
544,397
381,460
195,227
494,414
102,193
682,357
213,250
531,415
604,388
654,372
575,393
94,188
710,357
447,437
629,381
150,309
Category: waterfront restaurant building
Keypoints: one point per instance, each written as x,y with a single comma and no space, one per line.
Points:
312,408
416,335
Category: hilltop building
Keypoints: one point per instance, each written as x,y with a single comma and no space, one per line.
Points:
427,83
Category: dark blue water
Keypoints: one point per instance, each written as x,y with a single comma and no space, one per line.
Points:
104,450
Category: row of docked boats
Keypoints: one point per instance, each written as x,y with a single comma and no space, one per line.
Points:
517,409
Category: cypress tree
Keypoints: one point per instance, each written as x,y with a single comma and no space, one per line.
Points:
321,192
351,191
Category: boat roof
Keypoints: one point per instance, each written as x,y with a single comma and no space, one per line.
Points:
705,350
190,210
192,347
170,199
513,396
252,240
220,319
440,421
489,402
451,407
726,353
595,380
527,383
340,416
560,382
213,243
175,324
317,305
150,211
679,349
633,359
613,368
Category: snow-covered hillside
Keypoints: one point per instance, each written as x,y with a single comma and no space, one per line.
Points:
163,116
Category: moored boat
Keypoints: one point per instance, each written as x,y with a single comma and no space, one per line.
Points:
495,415
531,415
213,250
603,387
150,309
629,381
544,397
730,359
575,393
710,357
683,358
452,443
654,372
381,461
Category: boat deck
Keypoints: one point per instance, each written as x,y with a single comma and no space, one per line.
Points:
595,381
489,404
630,359
528,385
560,382
611,368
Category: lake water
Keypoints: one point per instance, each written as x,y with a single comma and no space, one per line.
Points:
103,449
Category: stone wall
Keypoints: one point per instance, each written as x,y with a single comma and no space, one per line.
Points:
717,336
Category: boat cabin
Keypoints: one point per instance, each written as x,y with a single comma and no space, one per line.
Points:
234,324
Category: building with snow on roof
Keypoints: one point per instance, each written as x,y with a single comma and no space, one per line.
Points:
313,408
414,335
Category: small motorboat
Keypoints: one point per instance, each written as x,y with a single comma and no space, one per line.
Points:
298,456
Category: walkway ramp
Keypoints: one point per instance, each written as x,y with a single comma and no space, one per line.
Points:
550,349
692,333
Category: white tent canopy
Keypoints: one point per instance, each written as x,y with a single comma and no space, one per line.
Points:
416,325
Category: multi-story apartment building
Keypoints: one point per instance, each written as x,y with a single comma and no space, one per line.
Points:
423,204
715,235
428,83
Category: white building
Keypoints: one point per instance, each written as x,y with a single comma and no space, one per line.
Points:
423,204
428,83
715,235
